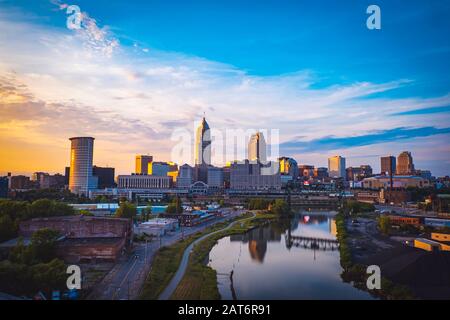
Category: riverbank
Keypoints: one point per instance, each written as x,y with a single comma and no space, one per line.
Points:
167,260
413,273
355,271
200,280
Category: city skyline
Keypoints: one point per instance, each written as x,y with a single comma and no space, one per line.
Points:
129,85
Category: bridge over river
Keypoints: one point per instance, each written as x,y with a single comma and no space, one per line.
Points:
311,243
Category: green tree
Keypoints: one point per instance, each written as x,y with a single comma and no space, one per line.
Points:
280,207
43,244
126,210
52,194
48,276
62,209
41,208
356,207
14,209
178,205
101,199
14,278
146,213
49,208
20,253
22,279
384,224
175,206
171,208
85,212
7,228
258,204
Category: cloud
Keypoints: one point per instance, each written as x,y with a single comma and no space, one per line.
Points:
94,38
17,104
445,109
385,136
54,84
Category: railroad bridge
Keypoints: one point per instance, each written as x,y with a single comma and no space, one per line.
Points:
311,243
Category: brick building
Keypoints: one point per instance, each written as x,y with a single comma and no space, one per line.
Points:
85,237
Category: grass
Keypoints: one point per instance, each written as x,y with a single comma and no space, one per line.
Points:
200,281
166,262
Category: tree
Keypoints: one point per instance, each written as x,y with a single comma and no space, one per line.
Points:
49,276
356,207
175,206
43,244
85,212
126,210
101,199
7,228
61,209
171,208
14,209
178,205
41,208
258,204
146,213
20,253
384,224
49,208
280,207
22,279
12,212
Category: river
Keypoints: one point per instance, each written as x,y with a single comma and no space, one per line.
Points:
292,259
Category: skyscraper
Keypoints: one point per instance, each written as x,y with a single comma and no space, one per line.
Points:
158,168
358,173
257,148
388,165
203,144
105,176
215,177
185,176
405,165
81,179
245,175
142,162
336,167
288,166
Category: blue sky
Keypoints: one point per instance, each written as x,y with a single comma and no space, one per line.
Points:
309,68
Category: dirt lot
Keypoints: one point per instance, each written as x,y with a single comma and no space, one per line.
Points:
426,274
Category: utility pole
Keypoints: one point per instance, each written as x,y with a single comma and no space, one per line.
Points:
182,230
145,256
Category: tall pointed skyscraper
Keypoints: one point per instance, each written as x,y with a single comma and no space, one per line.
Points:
257,148
203,144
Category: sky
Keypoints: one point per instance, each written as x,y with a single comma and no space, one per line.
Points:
137,72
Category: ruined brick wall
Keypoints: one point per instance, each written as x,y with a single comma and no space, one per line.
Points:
80,227
76,252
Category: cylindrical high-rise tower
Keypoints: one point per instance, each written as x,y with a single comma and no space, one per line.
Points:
81,155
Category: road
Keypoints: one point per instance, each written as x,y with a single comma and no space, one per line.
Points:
127,277
173,284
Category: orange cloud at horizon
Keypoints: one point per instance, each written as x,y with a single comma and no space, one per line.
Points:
25,158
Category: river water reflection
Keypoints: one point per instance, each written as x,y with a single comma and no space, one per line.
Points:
292,259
